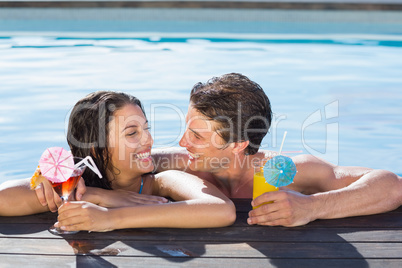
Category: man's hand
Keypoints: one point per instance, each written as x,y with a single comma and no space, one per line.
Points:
289,208
48,197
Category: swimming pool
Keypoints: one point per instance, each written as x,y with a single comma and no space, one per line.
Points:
334,86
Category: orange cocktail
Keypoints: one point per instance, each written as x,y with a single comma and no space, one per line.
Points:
260,186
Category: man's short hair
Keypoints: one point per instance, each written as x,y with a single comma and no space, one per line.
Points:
239,106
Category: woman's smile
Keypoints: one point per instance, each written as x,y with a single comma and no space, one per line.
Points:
144,156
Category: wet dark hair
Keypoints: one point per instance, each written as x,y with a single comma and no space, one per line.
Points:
239,105
88,131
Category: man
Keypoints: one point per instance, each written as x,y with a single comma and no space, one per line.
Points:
227,119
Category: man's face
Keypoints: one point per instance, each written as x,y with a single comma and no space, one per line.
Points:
206,149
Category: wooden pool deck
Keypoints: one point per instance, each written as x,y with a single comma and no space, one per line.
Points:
368,241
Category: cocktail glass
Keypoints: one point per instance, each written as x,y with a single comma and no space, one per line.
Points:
260,184
64,189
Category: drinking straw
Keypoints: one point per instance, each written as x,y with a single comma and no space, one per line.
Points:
91,165
283,141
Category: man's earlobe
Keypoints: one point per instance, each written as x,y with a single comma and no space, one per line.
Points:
240,146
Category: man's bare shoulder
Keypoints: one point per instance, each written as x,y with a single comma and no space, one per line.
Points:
265,154
318,175
170,158
167,151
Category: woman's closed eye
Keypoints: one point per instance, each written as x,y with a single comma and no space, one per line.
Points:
133,133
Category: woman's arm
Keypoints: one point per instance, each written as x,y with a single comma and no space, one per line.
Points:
119,198
200,205
17,199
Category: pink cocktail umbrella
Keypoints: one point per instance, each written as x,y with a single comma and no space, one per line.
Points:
56,164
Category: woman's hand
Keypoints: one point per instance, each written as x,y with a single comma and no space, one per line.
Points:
48,197
81,215
121,198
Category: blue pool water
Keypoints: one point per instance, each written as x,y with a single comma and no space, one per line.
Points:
338,96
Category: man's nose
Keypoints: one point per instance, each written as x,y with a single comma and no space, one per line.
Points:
183,141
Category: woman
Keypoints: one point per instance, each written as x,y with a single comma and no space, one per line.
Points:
113,129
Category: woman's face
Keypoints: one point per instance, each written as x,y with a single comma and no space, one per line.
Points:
130,142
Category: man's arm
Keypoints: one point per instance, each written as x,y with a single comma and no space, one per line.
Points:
333,192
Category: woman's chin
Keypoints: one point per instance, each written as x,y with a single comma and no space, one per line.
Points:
145,166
